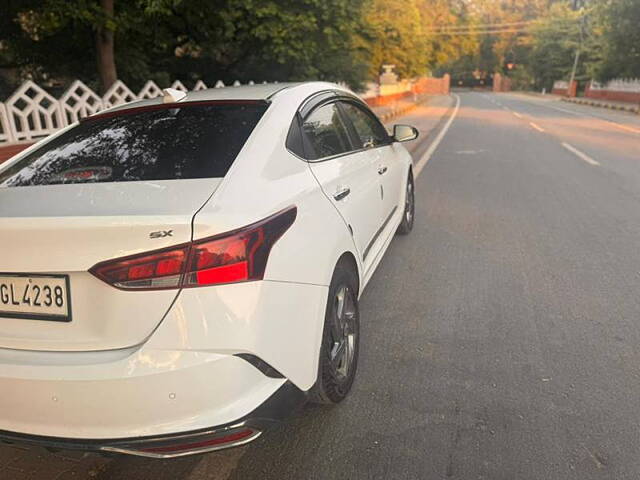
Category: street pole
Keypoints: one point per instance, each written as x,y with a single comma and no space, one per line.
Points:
575,67
578,50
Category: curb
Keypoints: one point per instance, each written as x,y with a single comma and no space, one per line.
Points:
611,106
402,110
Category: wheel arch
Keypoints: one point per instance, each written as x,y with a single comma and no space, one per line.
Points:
348,259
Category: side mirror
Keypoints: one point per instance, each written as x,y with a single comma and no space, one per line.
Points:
404,133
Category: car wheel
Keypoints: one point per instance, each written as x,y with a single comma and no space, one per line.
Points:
406,225
340,339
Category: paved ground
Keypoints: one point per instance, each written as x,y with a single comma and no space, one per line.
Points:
499,340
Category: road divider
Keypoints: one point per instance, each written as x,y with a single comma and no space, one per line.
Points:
627,107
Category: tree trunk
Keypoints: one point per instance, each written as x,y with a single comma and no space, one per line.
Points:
104,50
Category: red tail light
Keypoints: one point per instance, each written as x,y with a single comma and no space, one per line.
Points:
237,256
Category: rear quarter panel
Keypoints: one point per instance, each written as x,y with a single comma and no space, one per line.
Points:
267,178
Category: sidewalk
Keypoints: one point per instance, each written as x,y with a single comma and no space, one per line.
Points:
400,107
624,106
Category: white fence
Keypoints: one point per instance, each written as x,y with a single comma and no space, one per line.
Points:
560,85
32,113
618,85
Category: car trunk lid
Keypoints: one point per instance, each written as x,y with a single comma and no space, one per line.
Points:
66,229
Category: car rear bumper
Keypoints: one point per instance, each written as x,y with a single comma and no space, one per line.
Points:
242,431
215,358
145,393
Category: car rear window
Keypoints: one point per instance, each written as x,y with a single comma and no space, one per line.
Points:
192,141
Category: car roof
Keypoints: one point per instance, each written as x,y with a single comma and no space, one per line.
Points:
242,92
264,92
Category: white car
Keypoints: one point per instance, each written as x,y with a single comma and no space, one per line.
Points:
177,273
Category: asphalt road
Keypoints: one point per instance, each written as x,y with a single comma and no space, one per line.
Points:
501,339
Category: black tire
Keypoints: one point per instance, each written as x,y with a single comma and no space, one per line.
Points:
340,339
408,215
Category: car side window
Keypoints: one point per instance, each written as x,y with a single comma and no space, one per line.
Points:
370,132
326,133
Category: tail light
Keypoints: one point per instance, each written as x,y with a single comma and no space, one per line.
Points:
237,256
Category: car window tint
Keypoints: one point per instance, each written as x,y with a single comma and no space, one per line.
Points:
326,133
370,132
197,141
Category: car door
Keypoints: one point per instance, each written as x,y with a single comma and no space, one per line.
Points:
348,177
373,138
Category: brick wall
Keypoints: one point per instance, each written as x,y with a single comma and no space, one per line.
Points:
10,150
423,86
501,83
615,96
433,85
564,89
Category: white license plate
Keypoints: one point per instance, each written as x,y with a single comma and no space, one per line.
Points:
36,297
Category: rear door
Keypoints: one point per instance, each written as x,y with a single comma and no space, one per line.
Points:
347,175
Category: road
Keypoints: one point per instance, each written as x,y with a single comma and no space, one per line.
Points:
500,340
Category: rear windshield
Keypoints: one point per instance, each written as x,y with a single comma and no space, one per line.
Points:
193,141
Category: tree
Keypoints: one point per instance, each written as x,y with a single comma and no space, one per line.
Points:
63,38
185,39
619,21
268,39
395,35
104,45
403,32
557,37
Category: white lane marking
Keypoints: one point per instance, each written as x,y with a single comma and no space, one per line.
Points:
537,127
580,155
583,114
432,148
469,152
517,114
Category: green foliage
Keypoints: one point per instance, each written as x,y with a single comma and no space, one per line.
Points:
187,39
556,37
400,32
336,40
606,32
620,29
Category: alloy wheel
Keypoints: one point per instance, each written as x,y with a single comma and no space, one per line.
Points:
343,333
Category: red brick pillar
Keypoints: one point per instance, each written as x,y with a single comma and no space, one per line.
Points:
497,82
446,84
572,91
506,84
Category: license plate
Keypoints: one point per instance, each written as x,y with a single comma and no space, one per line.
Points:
35,297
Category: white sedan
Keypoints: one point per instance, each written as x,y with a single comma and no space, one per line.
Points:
177,273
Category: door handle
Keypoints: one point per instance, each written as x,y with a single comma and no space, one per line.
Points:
382,170
340,194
